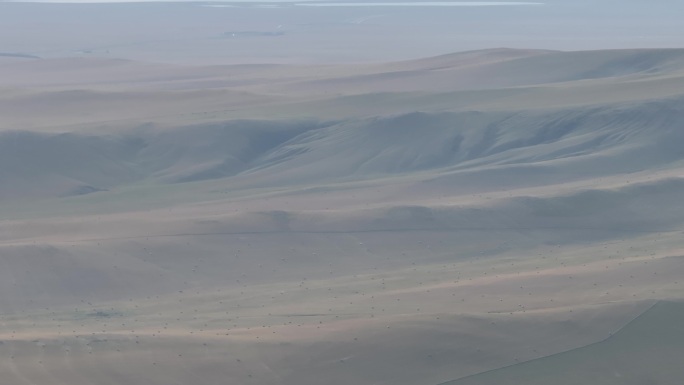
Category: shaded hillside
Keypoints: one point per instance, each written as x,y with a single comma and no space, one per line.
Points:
38,165
476,150
472,145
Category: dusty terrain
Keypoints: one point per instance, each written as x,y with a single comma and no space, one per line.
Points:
457,219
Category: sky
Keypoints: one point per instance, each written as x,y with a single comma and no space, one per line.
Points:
329,32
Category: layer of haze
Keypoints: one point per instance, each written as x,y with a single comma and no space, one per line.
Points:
288,32
348,209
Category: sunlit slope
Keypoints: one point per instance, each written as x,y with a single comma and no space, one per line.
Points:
91,94
498,68
483,69
646,351
104,257
295,349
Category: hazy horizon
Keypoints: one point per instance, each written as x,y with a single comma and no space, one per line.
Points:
308,2
325,32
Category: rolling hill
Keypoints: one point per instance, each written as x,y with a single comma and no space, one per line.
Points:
464,219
